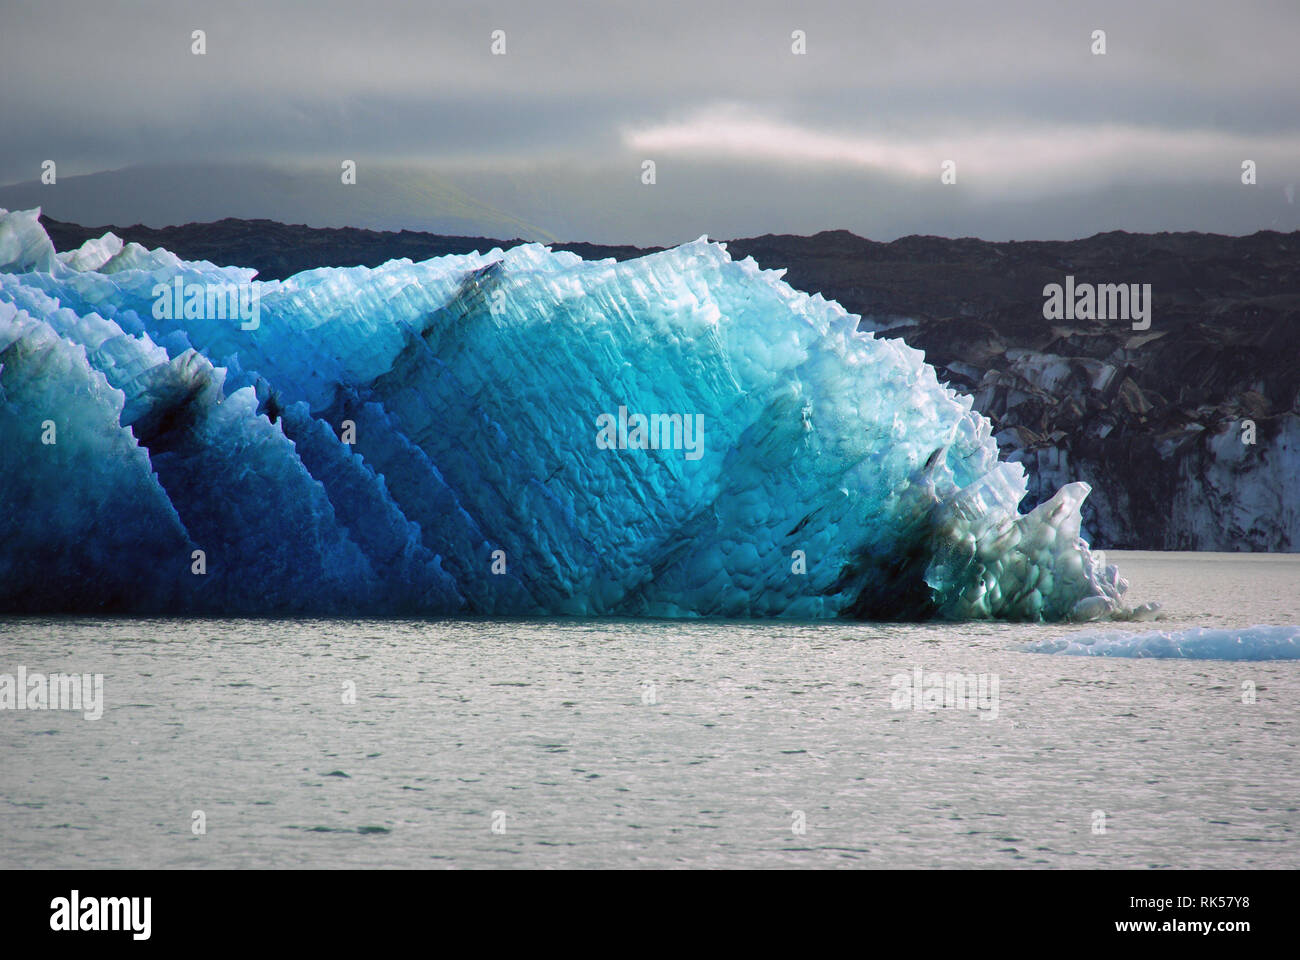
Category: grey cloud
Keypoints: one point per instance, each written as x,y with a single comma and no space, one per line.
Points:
100,86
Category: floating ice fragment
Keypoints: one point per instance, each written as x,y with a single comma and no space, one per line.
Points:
1197,643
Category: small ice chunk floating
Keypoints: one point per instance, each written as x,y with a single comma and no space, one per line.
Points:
1197,643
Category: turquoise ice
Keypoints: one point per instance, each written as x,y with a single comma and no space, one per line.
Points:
1197,643
498,463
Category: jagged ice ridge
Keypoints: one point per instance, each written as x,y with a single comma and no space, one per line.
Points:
835,475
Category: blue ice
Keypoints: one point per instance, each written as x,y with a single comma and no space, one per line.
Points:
518,424
1197,643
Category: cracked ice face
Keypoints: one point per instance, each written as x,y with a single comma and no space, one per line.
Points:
432,438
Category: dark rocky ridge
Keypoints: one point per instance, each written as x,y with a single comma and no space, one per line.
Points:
1153,419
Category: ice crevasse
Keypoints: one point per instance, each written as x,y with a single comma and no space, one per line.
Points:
514,432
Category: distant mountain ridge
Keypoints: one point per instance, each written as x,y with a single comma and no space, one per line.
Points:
1154,420
169,194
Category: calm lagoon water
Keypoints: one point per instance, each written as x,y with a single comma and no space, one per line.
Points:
597,743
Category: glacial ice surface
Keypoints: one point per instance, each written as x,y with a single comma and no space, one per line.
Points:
833,475
1197,643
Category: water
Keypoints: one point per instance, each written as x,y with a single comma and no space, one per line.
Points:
554,723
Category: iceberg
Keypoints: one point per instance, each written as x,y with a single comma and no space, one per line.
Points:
1197,643
516,432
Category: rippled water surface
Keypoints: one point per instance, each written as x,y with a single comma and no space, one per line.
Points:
662,744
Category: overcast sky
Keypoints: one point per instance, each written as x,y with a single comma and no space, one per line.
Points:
1049,140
